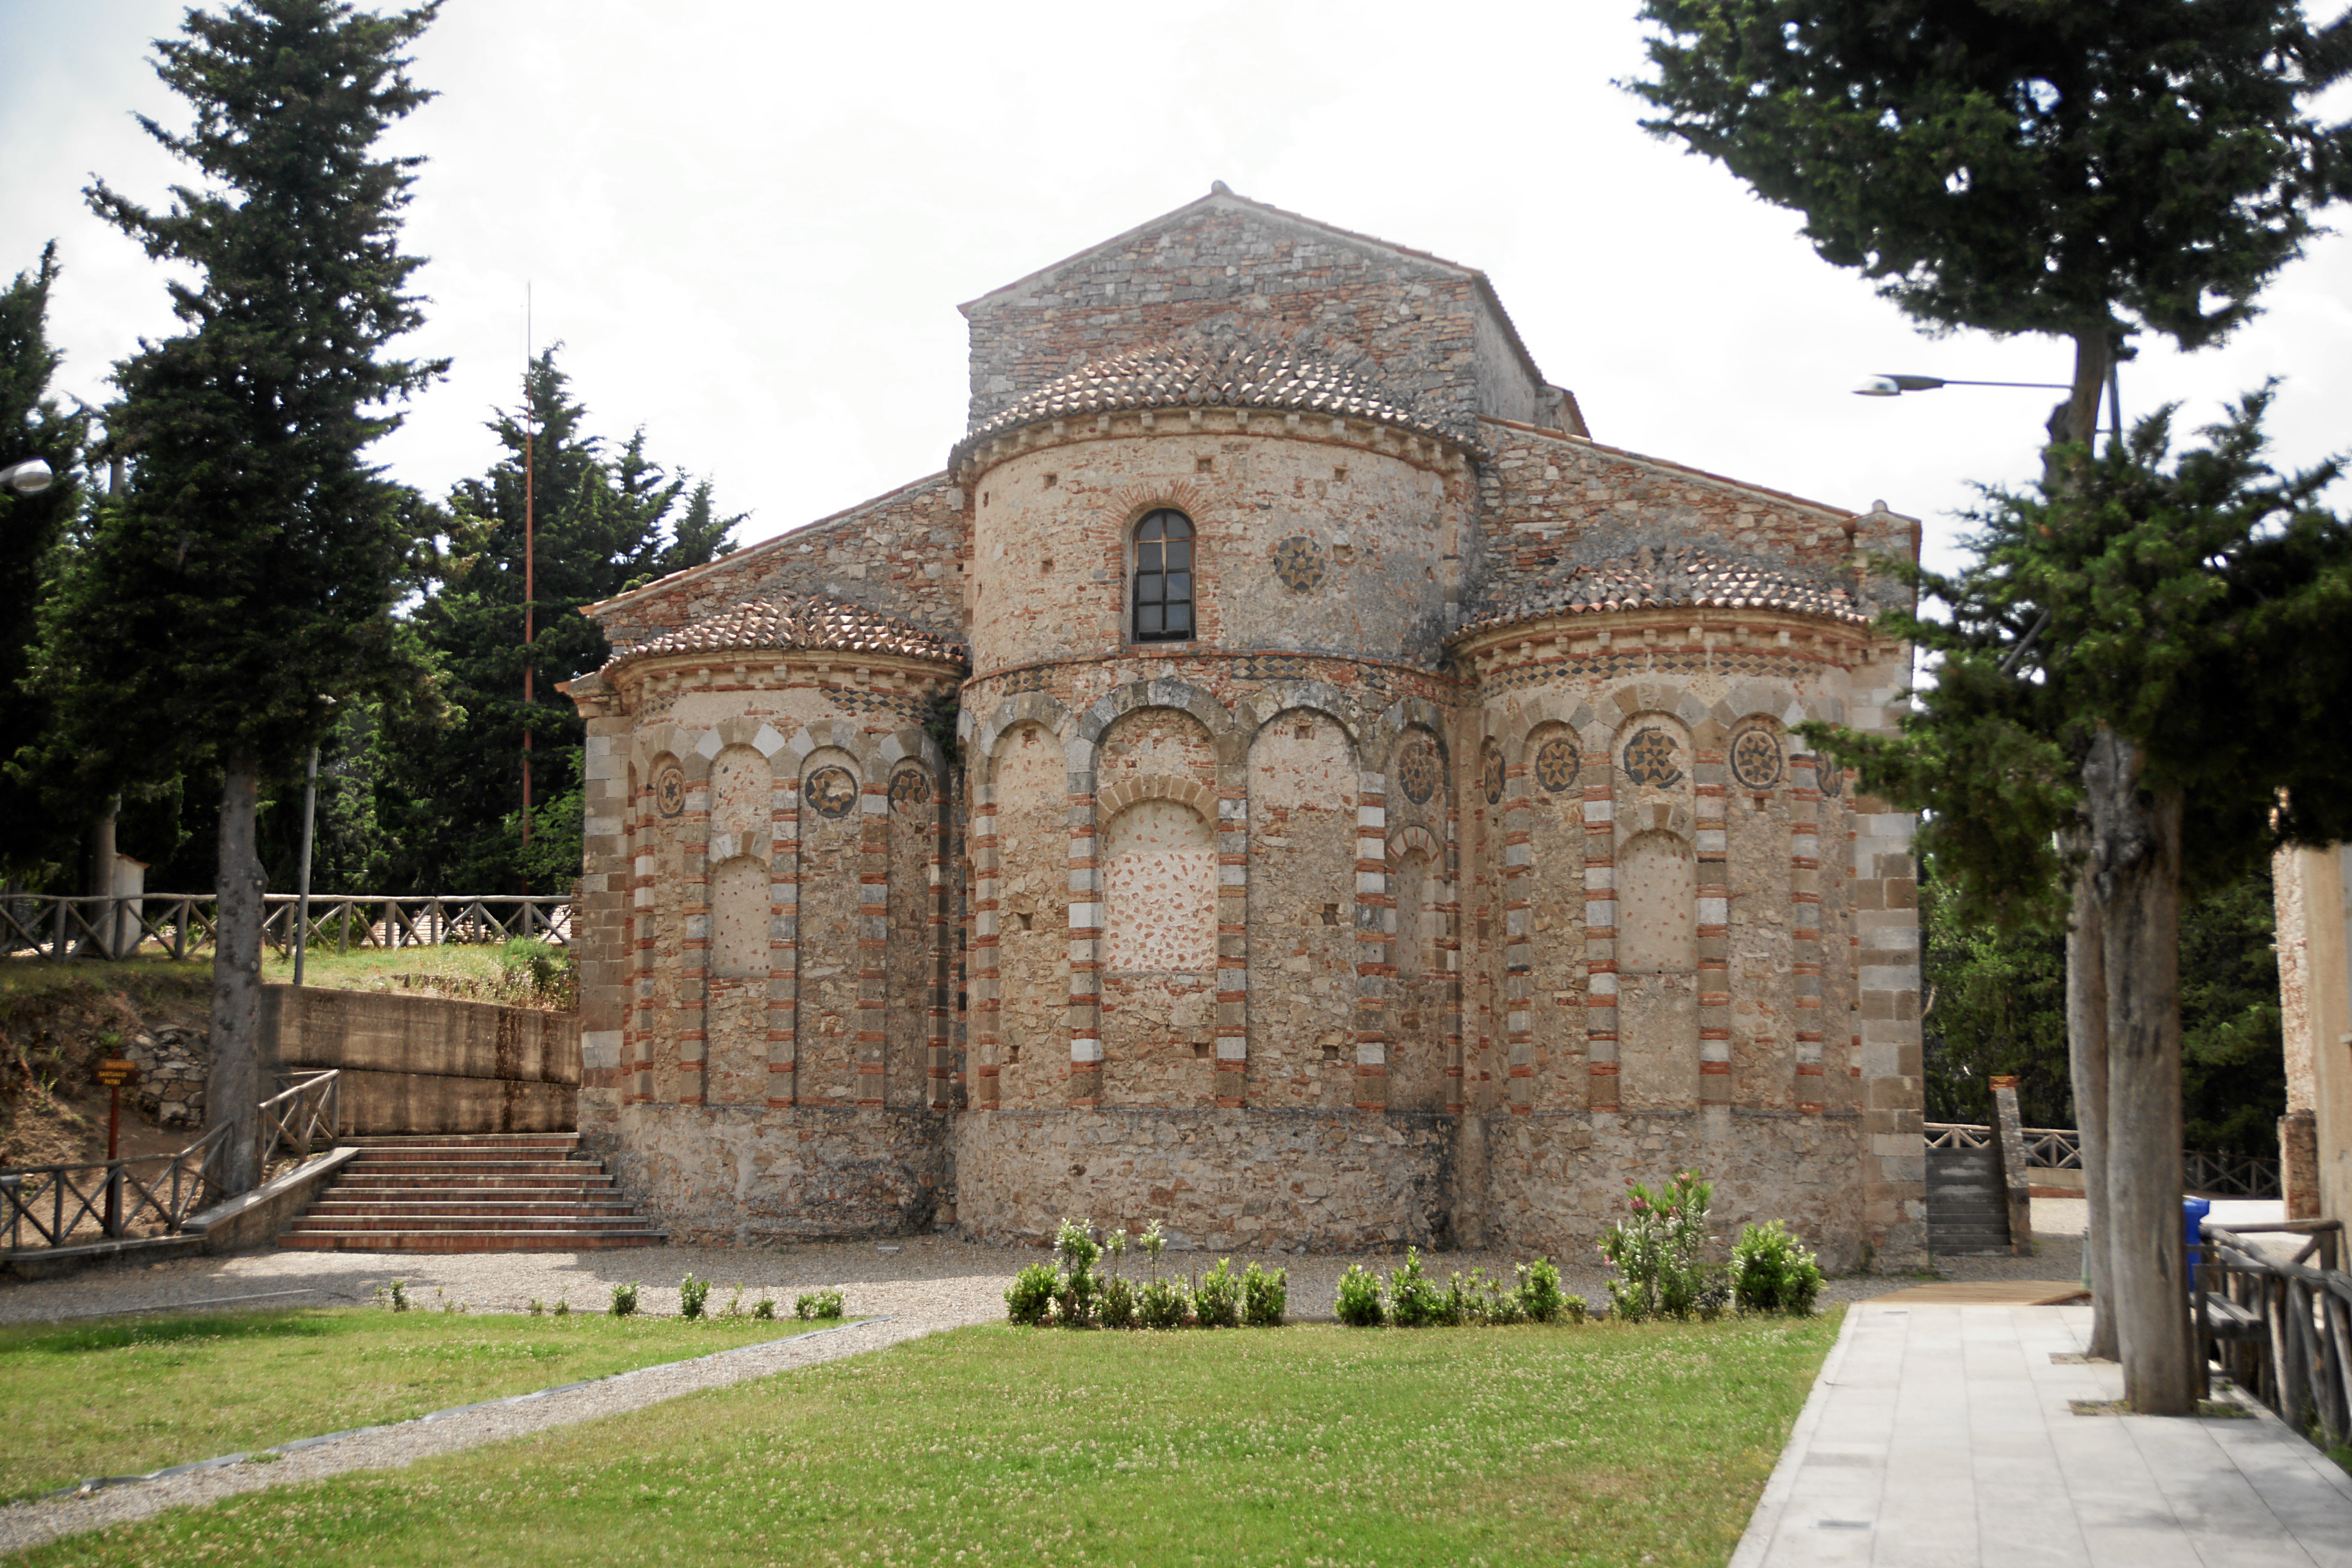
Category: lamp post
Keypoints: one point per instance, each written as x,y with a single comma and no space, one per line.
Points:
29,477
1890,384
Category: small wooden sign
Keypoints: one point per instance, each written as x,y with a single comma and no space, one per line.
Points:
113,1072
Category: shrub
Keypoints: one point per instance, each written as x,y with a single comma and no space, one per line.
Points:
1032,1295
1358,1304
396,1295
1162,1304
818,1304
1772,1272
535,1307
1415,1300
625,1301
764,1308
691,1294
533,969
1489,1302
562,1306
1075,1300
1118,1304
1266,1293
1217,1300
1655,1252
1539,1295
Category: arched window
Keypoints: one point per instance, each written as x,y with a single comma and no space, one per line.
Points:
1164,577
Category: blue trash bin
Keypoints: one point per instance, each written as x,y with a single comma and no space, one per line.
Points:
2192,1217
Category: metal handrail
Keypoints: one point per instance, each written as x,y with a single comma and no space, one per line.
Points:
2060,1148
72,926
62,1205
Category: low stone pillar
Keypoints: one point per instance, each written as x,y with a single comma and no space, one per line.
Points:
2299,1164
2016,1179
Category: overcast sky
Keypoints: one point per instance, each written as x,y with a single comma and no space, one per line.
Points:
749,224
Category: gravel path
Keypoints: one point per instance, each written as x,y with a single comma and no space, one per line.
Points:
905,1289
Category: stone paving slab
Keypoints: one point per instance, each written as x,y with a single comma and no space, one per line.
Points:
1939,1435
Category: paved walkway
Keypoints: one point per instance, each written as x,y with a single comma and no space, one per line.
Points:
1940,1436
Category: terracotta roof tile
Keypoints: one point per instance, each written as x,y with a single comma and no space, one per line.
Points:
1237,374
1653,578
814,622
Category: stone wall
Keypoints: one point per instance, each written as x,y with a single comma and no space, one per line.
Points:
1430,330
900,554
1317,1180
742,1175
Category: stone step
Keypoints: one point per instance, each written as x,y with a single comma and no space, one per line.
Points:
468,1241
519,1224
365,1166
427,1207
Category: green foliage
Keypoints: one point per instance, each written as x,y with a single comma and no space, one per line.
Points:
253,566
1359,1303
1121,1299
1031,1295
1415,1300
535,1307
1217,1300
818,1304
535,967
1539,1293
1074,1303
1164,1304
1655,1251
45,811
562,1306
2201,608
625,1301
1996,1005
2021,168
1265,1296
394,1296
764,1309
1772,1272
692,1293
605,517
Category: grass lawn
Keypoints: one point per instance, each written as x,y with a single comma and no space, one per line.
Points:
125,1395
1308,1447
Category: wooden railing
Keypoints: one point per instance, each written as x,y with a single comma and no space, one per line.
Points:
2281,1329
2060,1148
111,1200
184,924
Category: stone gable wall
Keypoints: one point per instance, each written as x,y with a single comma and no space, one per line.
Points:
1417,320
900,554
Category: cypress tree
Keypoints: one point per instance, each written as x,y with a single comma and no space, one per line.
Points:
245,586
38,790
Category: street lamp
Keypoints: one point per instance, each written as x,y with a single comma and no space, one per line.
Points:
29,477
1896,385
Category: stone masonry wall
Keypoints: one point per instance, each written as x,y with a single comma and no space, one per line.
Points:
1229,262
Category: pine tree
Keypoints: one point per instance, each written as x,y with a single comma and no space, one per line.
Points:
2088,172
245,585
2137,696
602,522
2025,165
40,791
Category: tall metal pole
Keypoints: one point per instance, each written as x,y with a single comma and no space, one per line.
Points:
530,576
302,877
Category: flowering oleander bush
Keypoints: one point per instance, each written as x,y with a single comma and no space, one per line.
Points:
1217,1299
1411,1300
1655,1251
1086,1284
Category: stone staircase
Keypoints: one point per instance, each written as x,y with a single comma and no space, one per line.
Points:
1968,1209
471,1191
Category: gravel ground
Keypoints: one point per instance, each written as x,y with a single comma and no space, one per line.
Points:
917,1286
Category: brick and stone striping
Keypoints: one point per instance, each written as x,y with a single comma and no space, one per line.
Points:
1417,896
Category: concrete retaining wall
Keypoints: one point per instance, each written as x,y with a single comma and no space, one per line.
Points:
430,1063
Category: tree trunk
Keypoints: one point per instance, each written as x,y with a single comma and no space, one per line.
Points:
2087,1056
233,1091
2077,418
2135,875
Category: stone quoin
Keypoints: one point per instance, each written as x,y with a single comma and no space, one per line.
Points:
1283,778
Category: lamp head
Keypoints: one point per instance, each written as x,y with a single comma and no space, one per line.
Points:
29,477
